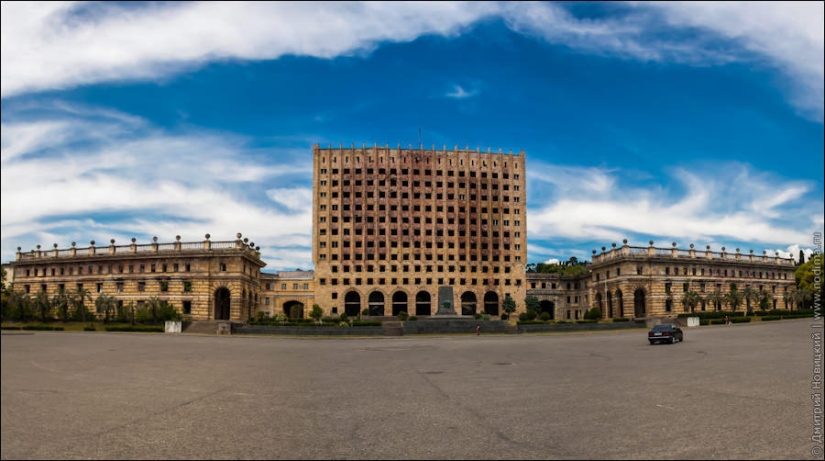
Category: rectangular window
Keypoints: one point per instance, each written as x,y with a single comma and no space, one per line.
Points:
187,307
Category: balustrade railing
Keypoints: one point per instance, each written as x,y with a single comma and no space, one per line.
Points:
108,250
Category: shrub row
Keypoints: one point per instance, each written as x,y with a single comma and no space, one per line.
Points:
41,328
140,328
587,321
769,318
10,328
740,319
801,313
621,319
712,315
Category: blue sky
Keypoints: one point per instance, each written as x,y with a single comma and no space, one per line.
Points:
674,122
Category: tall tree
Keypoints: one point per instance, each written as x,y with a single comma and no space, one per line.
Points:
751,297
733,297
77,299
508,305
60,301
801,258
106,304
43,306
691,299
716,298
531,303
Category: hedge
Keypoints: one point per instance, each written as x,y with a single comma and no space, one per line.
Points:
10,328
768,318
621,319
740,319
140,328
41,328
711,315
587,321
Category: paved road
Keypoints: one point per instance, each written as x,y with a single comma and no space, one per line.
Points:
726,392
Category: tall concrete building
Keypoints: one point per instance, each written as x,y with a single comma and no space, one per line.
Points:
410,229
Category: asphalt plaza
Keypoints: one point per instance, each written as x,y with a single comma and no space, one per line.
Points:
725,392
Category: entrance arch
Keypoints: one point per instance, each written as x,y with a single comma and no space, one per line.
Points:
352,304
549,307
468,303
491,303
599,303
294,309
609,304
399,302
639,303
222,303
376,304
422,303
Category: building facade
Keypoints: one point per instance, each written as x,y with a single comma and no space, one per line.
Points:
202,280
409,229
406,230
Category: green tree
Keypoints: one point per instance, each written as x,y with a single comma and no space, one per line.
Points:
733,297
531,303
508,305
21,304
60,301
788,298
153,306
593,314
806,274
716,298
43,306
751,297
316,313
765,300
106,304
77,300
801,258
691,299
800,296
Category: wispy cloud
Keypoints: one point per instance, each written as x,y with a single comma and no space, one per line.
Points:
727,203
116,176
460,93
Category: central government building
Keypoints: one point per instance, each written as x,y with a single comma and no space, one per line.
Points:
414,230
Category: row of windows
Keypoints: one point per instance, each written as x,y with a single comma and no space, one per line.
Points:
416,257
415,184
416,268
703,287
346,231
418,244
701,272
428,208
163,286
418,281
111,269
271,286
570,285
416,195
417,172
405,159
428,232
417,220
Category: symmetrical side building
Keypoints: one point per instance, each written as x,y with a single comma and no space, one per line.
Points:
415,230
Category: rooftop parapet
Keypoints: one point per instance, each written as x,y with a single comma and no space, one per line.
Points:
626,251
411,148
134,248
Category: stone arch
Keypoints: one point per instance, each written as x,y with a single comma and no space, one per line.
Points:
549,307
599,302
491,303
619,303
639,306
423,303
399,302
376,303
352,304
609,304
468,303
223,302
296,306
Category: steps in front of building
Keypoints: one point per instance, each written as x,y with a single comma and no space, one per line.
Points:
207,327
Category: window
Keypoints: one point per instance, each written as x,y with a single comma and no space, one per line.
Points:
164,286
119,287
187,286
141,286
187,307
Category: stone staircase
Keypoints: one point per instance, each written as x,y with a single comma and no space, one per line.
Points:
393,328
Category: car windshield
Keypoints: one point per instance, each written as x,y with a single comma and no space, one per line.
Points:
661,328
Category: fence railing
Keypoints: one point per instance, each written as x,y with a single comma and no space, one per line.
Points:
107,251
636,252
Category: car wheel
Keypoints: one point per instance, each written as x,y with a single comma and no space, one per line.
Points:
673,340
651,342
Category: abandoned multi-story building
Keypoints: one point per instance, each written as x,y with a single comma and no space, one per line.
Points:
423,231
391,226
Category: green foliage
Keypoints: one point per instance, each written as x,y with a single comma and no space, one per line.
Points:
478,316
805,276
296,311
316,313
343,317
532,303
769,318
187,286
570,268
138,328
509,304
41,328
89,328
593,314
402,316
740,319
621,319
545,316
60,303
412,318
11,327
691,299
370,323
587,321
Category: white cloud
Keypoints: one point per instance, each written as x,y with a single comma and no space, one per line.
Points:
785,35
718,204
62,45
460,93
54,46
114,176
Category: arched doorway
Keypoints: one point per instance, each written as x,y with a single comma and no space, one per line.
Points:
599,302
352,304
222,303
491,303
468,303
399,302
619,303
422,303
376,304
294,309
639,303
549,307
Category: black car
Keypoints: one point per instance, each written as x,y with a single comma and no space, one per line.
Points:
666,332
